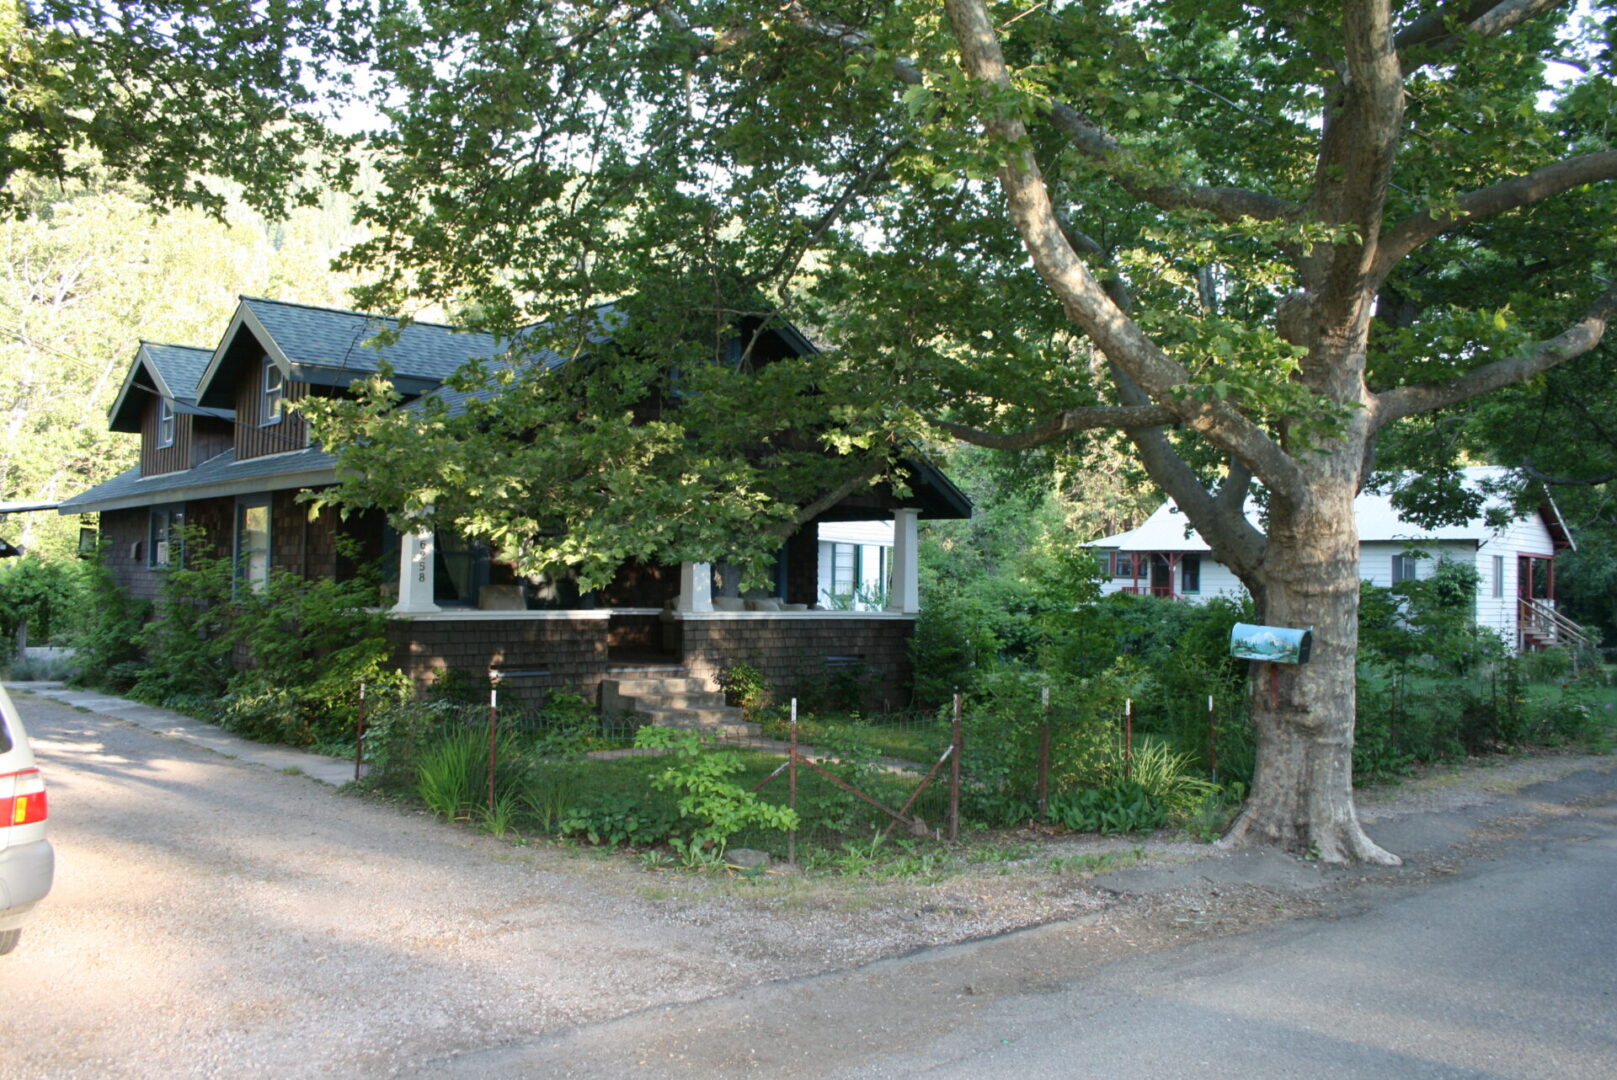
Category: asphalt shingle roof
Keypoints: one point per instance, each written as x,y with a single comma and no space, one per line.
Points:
220,475
179,366
331,338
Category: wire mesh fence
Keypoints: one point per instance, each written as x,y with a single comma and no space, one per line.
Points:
568,771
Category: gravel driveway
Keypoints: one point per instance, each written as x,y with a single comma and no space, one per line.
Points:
217,918
212,918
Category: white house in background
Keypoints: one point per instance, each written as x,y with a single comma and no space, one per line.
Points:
1515,561
856,559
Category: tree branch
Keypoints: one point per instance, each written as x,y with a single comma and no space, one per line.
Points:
1225,203
808,512
1500,198
1085,301
1430,33
1576,340
1084,419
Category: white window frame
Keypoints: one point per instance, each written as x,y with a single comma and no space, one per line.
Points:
1498,577
1402,562
165,423
273,394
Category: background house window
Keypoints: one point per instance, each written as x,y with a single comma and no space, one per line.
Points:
1499,575
253,542
1405,568
274,393
165,422
1123,565
1190,574
163,538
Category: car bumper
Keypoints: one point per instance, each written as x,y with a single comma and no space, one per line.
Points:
26,872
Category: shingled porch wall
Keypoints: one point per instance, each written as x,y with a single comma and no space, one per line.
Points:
536,655
798,650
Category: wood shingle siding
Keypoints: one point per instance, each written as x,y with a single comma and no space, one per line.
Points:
156,460
253,439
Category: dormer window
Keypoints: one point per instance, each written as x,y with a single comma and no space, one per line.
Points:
274,391
165,422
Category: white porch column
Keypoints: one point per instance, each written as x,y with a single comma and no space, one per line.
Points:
417,553
695,587
905,592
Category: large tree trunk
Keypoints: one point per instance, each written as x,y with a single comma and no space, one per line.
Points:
1302,790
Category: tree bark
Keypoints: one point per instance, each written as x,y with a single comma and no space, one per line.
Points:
1302,789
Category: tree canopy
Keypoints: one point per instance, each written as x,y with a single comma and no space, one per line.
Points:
1250,240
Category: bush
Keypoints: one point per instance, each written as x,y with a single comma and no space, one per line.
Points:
40,593
452,778
712,806
745,687
398,735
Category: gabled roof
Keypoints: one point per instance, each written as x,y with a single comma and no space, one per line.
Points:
1169,530
333,347
172,371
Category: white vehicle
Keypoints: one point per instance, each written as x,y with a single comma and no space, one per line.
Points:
27,863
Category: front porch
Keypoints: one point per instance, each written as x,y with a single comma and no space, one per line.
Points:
696,632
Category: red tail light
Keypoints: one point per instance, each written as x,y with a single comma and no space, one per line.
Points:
26,804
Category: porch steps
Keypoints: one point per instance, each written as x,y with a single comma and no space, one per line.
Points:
673,700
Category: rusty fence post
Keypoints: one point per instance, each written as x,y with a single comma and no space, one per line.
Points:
954,773
791,788
1044,755
1128,739
493,732
359,734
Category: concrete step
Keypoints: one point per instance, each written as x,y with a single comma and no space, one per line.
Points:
642,685
711,700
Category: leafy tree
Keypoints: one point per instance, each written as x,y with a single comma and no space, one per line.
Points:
176,95
84,276
1244,237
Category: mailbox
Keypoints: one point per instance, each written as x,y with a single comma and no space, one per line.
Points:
1276,644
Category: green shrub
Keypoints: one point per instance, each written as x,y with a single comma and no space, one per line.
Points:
712,806
1119,808
617,820
745,687
397,735
452,777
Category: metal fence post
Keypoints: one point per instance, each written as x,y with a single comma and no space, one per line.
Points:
1212,739
954,774
359,733
1128,739
1044,755
791,789
493,730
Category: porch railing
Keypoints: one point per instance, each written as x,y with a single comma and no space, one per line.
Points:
1541,622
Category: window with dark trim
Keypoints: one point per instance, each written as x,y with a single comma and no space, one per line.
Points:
165,422
1123,565
164,541
274,394
1190,573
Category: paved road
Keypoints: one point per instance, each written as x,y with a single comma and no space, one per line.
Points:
1505,968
